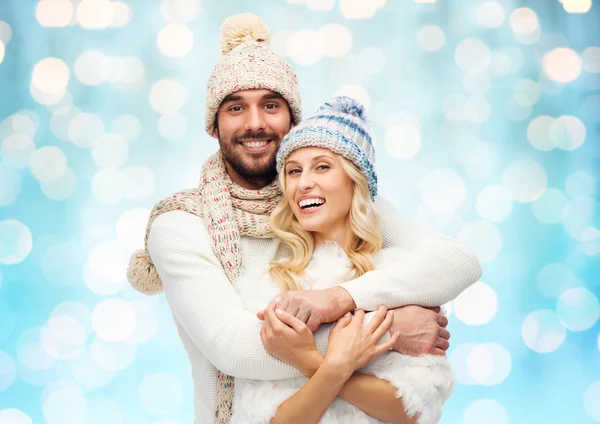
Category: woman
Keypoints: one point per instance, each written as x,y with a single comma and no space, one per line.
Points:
328,221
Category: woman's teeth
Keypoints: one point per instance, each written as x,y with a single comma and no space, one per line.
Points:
310,203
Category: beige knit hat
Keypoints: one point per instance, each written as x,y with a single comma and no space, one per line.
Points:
248,63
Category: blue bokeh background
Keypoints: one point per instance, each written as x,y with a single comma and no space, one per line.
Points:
487,122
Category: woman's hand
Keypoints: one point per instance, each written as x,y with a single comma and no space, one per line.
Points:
289,339
353,345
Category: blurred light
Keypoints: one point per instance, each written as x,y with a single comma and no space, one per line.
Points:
542,331
5,33
50,76
480,160
549,208
443,190
538,133
2,50
526,92
89,374
16,242
94,14
453,107
56,269
431,38
167,96
147,322
577,6
472,55
128,126
477,84
578,309
579,218
279,42
489,364
525,179
477,109
114,320
131,228
517,112
112,356
63,338
337,40
477,305
84,128
110,151
494,203
48,163
490,14
24,122
17,150
524,21
175,40
358,9
54,13
161,393
8,372
590,401
108,263
488,411
403,141
76,310
47,99
172,127
372,60
554,279
320,4
483,238
127,70
103,410
92,67
121,14
357,92
305,47
61,188
179,10
562,65
591,59
140,182
14,416
580,184
567,132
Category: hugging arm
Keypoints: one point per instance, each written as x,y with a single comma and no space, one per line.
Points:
206,305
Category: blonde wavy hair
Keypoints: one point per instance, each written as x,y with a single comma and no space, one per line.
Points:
364,224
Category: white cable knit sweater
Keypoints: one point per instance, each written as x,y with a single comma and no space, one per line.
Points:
216,329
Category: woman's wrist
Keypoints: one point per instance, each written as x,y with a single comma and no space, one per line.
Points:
342,368
311,363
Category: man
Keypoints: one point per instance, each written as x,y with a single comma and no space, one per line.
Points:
201,240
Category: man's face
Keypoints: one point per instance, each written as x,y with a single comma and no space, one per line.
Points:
250,127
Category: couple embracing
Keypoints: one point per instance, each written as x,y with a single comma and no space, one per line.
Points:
300,295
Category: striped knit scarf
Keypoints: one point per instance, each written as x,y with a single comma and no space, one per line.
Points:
229,211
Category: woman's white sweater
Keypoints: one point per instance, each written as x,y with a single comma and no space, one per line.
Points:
424,383
219,333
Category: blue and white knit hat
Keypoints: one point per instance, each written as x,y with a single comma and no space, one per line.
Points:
341,126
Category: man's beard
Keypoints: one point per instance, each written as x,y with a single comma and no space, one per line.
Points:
258,168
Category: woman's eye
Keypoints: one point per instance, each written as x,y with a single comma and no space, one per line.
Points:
323,167
293,171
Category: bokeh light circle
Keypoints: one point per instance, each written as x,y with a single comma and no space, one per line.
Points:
114,320
175,40
549,208
525,179
578,309
483,238
494,203
14,416
477,305
543,331
488,411
403,141
443,190
17,242
554,278
160,393
562,65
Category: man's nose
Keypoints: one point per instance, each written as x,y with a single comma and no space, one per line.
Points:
255,120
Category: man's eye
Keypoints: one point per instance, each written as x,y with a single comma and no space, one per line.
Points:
235,108
272,106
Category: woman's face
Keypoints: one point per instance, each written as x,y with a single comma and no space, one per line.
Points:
319,192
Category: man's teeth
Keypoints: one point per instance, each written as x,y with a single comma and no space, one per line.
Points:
255,143
310,202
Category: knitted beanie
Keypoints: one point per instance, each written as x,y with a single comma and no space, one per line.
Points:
247,64
341,126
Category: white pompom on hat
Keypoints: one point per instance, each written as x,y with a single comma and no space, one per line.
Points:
248,63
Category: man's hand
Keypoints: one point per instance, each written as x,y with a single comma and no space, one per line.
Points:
314,307
422,331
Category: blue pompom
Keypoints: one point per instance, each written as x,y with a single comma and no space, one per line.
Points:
347,105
